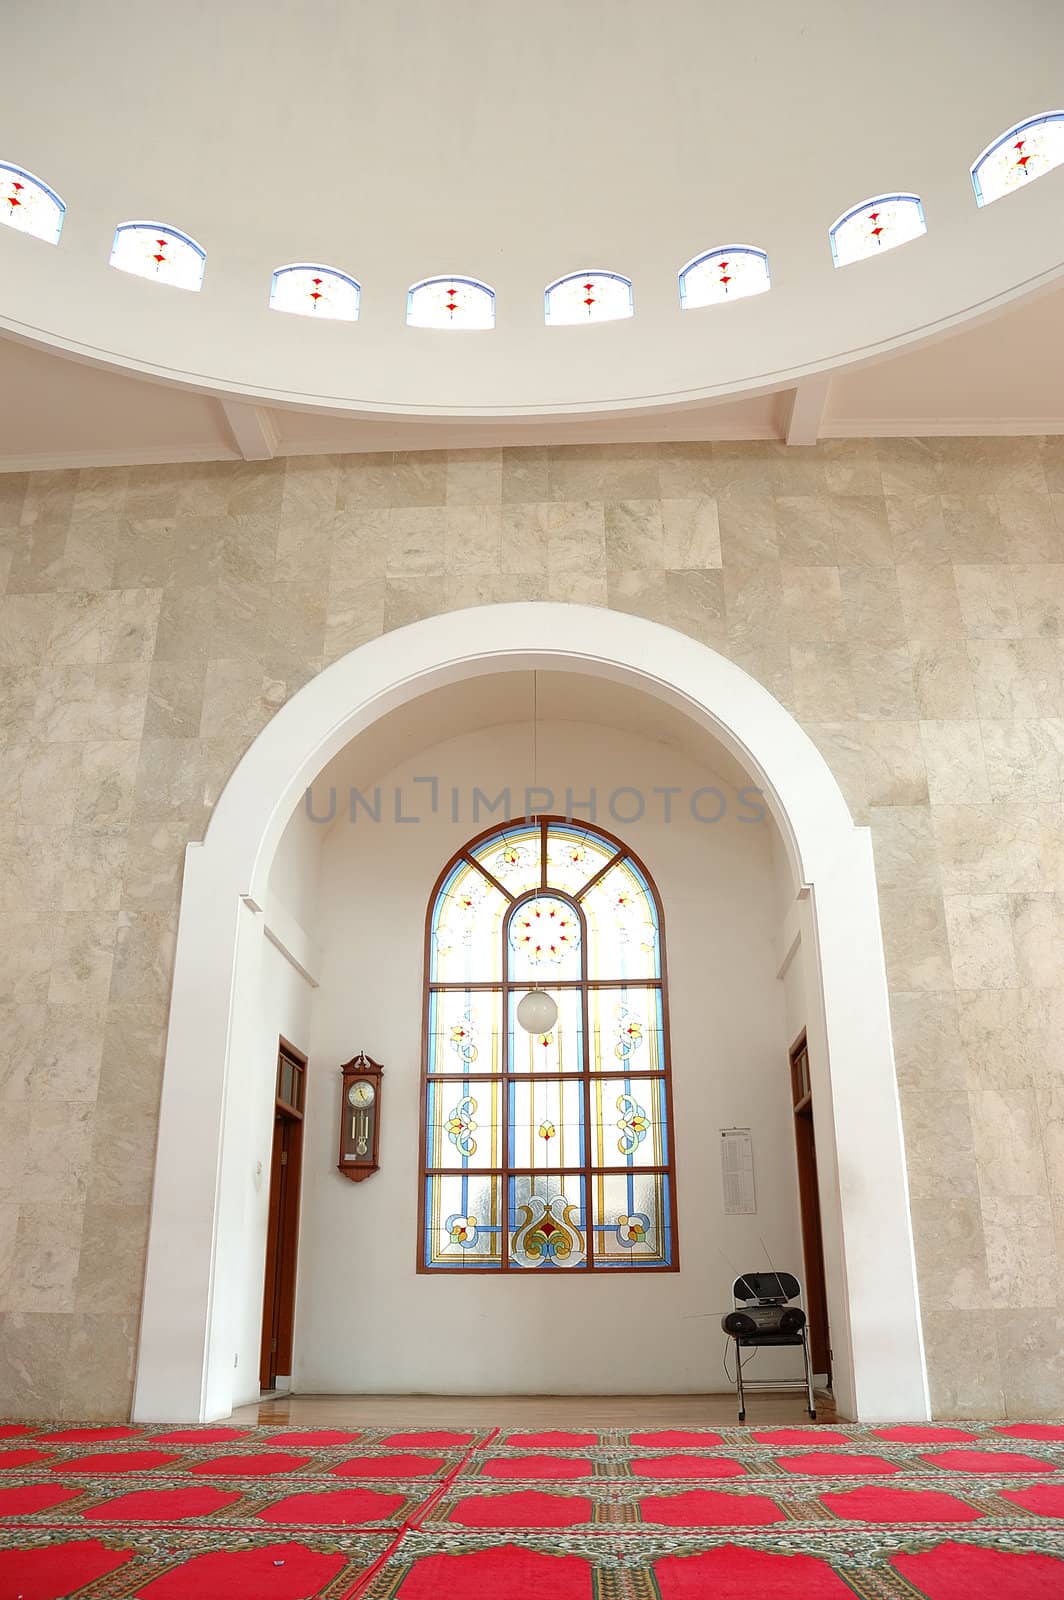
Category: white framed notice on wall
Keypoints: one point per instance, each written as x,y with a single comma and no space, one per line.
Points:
737,1172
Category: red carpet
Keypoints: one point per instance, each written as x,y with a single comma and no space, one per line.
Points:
972,1512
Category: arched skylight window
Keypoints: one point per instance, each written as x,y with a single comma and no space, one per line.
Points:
588,297
546,1151
876,225
150,250
311,291
1027,151
731,273
450,303
29,205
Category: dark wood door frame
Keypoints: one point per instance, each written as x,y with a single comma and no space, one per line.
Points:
815,1286
282,1235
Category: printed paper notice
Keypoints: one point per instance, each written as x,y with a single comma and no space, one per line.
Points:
737,1171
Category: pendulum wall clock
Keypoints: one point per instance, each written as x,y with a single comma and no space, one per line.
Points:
360,1117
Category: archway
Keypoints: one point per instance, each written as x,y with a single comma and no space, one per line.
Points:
185,1368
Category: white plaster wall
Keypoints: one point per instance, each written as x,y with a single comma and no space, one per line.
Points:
365,1319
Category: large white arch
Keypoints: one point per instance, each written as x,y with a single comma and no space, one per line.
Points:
185,1366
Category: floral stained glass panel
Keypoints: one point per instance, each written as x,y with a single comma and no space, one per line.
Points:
465,1031
560,1050
732,273
546,1123
876,226
628,1125
464,1220
588,297
545,941
29,205
546,1222
574,856
465,939
622,926
322,292
451,303
465,1124
150,250
512,856
631,1224
627,1032
1027,151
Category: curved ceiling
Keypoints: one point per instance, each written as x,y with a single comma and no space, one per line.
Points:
514,144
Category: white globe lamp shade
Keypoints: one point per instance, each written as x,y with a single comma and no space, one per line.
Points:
537,1012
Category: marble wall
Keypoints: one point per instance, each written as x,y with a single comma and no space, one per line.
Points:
905,598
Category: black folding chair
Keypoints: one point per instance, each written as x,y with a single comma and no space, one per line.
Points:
764,1317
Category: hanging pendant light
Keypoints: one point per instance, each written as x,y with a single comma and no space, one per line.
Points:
537,1011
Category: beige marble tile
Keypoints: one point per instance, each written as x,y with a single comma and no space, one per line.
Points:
996,848
939,1146
48,784
895,771
918,533
131,1068
65,705
929,1053
174,705
862,533
154,491
929,603
474,477
407,600
98,1380
419,478
871,605
577,588
82,958
204,489
805,531
189,624
169,773
256,487
310,490
1019,1242
233,703
823,681
956,767
694,604
65,1064
974,528
603,472
45,1267
637,592
1031,531
8,1227
840,743
964,466
1038,938
1000,1043
31,869
987,601
748,532
525,538
119,700
753,603
106,786
34,1363
942,679
882,682
143,958
111,1264
123,1154
1008,1147
980,941
26,624
851,466
691,534
355,615
1017,677
769,661
576,538
904,844
796,470
914,940
52,1125
21,1031
908,467
27,940
1039,589
365,481
813,604
1032,1368
950,1253
473,538
525,475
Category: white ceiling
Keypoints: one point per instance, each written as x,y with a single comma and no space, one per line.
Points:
515,143
1002,375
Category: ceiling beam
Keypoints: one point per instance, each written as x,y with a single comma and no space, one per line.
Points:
253,430
805,411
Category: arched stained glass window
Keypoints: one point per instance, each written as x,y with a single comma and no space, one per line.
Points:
588,297
151,250
310,291
876,225
730,273
450,303
546,1151
29,205
1027,151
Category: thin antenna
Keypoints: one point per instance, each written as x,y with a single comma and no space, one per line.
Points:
768,1258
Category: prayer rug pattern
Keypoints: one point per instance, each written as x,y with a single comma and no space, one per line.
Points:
971,1511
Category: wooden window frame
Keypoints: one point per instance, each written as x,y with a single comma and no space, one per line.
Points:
621,852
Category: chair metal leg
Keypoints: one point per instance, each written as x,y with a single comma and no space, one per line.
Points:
739,1380
808,1374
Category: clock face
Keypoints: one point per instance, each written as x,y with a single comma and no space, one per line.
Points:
361,1093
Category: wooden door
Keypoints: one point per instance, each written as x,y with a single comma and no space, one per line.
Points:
282,1234
815,1289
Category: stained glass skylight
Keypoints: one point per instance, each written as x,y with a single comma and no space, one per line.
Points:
29,205
588,297
151,250
730,273
546,1151
875,226
1027,151
314,291
450,303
